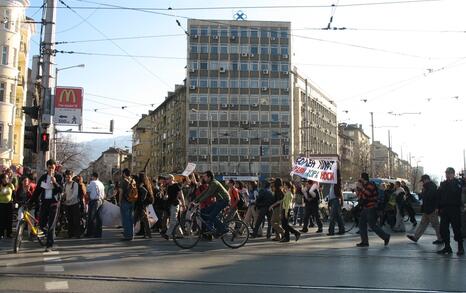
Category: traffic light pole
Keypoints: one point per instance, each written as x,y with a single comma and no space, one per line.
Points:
48,60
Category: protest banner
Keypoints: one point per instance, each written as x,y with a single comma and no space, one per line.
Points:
189,169
320,169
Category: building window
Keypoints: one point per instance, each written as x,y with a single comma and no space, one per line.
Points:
284,50
203,83
12,93
254,83
254,151
274,100
264,116
193,134
193,31
274,50
223,116
213,65
284,118
233,151
265,66
245,49
223,83
214,49
1,135
285,67
234,83
244,32
213,32
234,116
203,100
223,151
234,100
203,65
223,49
265,83
254,66
234,49
275,67
2,92
7,19
203,132
204,31
15,53
204,49
244,66
284,33
194,49
254,116
213,100
264,32
244,83
244,100
264,100
5,55
213,83
254,50
254,100
244,133
264,50
234,32
223,99
274,117
193,82
243,151
254,33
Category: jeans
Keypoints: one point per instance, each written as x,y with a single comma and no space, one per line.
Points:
127,211
369,215
262,212
311,209
400,224
276,222
173,219
251,215
335,215
298,212
412,214
94,222
211,212
48,219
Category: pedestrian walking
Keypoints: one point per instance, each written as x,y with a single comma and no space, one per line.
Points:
276,207
451,207
145,198
311,206
234,201
264,200
71,205
408,204
286,203
175,199
96,194
399,195
251,215
47,197
6,206
298,204
429,209
367,193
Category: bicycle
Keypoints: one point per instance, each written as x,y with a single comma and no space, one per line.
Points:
189,231
33,224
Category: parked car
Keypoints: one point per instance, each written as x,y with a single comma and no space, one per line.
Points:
350,200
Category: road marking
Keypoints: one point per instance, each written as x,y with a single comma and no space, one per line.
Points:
53,268
56,285
52,259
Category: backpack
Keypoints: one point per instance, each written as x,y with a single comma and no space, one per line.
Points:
133,193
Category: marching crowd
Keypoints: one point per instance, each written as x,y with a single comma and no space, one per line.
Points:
276,205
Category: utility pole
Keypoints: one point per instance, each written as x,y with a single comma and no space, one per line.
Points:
48,61
372,145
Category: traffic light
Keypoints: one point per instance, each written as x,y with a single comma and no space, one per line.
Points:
32,112
44,141
30,138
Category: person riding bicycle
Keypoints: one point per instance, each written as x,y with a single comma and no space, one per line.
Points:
48,191
222,200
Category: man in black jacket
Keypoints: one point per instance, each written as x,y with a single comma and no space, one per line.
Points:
451,207
47,193
263,201
430,201
407,204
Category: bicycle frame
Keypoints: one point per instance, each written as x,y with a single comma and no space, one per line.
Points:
31,221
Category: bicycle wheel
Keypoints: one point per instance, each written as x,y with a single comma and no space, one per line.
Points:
186,234
19,236
349,226
40,236
237,235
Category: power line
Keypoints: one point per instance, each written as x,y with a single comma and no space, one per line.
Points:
119,39
361,4
115,44
78,24
379,30
126,100
118,55
360,66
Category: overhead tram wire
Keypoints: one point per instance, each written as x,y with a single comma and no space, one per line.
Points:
118,55
293,35
116,45
361,4
119,39
126,100
378,30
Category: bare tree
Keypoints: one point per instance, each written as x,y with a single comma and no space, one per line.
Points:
70,154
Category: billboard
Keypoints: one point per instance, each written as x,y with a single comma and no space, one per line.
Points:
68,106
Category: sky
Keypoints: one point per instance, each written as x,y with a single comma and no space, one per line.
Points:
404,59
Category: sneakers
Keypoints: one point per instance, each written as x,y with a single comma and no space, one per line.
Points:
446,250
437,242
386,240
285,240
341,232
297,235
412,238
48,249
362,244
303,230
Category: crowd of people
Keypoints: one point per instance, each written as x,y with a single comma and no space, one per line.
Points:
275,207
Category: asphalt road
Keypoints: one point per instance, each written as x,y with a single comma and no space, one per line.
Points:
317,263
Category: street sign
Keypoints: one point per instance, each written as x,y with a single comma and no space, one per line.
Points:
68,106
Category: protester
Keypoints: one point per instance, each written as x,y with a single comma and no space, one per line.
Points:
311,206
47,197
286,202
127,205
145,198
450,206
367,193
399,195
429,209
251,214
263,201
175,199
23,195
275,208
234,200
96,193
71,205
6,206
408,204
298,204
335,202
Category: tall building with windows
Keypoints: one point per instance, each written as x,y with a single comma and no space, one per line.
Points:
15,32
239,97
245,105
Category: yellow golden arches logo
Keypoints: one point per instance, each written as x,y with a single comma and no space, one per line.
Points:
67,96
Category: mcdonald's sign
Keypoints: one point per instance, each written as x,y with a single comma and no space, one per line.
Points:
68,97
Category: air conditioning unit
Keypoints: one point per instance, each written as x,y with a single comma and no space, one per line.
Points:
286,72
266,140
265,71
244,54
264,89
287,139
191,122
224,105
192,70
244,122
195,36
254,122
287,90
233,37
222,69
193,87
273,38
285,56
204,157
251,55
215,37
246,139
255,105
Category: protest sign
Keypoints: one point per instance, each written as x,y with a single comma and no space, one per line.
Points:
189,169
320,169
